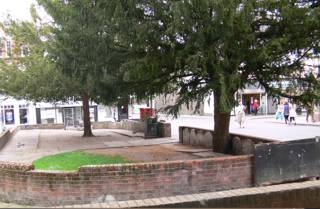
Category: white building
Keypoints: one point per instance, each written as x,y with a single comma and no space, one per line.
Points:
21,112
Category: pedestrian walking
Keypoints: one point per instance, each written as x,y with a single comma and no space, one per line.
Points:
241,116
279,113
292,114
114,113
255,106
286,112
310,112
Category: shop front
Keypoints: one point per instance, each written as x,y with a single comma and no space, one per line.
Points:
256,100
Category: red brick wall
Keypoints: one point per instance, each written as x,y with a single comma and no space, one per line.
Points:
20,183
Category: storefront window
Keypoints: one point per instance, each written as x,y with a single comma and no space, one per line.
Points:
23,116
9,114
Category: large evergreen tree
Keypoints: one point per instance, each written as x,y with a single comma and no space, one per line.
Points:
57,67
83,48
195,47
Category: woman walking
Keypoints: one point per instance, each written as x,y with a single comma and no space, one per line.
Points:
286,112
292,114
241,116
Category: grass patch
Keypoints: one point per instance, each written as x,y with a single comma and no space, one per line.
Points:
73,160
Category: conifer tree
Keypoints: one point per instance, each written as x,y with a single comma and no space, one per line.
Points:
195,47
82,48
57,67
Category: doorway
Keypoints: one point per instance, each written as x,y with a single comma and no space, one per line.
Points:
248,100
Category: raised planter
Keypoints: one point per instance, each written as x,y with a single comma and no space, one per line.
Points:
20,183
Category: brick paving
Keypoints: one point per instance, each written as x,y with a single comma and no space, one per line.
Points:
212,199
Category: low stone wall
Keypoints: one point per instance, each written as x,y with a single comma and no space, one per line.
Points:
43,126
241,144
132,125
20,183
6,135
4,138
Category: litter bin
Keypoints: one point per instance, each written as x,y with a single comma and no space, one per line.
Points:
299,110
152,128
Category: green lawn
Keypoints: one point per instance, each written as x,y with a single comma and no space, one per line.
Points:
73,160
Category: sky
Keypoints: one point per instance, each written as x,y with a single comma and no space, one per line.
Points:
18,9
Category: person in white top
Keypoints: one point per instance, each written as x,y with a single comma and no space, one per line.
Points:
240,114
292,114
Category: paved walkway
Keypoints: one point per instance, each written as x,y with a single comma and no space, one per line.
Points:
260,126
28,145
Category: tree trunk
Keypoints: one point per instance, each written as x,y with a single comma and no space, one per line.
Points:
221,128
87,132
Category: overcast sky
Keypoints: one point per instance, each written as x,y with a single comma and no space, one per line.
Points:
18,9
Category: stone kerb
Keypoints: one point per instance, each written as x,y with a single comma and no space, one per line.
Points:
42,126
20,183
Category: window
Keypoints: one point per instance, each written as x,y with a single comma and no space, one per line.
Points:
9,48
23,116
9,116
24,50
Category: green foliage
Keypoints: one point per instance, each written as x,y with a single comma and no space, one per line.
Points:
193,47
83,46
29,73
73,160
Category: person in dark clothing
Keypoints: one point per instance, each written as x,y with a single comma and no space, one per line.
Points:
286,112
310,112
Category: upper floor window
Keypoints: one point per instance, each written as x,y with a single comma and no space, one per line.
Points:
8,47
24,50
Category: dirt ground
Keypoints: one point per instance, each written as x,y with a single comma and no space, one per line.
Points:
163,152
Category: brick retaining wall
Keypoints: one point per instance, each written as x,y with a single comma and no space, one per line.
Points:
20,183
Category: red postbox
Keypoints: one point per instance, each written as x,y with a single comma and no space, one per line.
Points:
146,113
